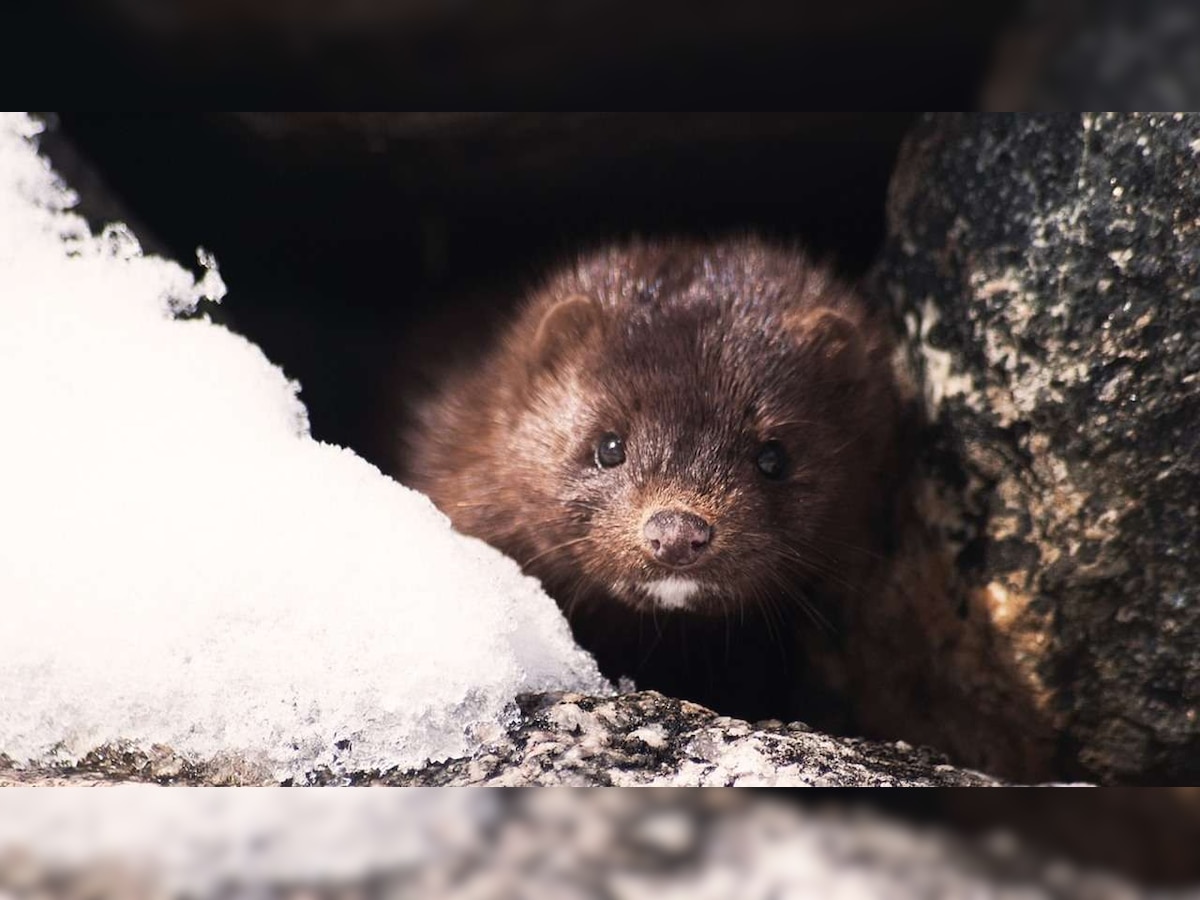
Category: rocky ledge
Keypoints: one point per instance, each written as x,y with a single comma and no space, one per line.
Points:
648,739
639,738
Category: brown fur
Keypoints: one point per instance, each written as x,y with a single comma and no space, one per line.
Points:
697,354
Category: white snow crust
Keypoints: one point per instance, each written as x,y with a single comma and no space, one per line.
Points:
182,564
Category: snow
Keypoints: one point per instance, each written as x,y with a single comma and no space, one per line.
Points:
181,564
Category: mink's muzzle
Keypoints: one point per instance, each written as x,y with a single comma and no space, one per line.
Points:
675,538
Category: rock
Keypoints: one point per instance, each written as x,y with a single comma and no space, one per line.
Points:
562,844
570,739
1104,54
648,739
1047,268
446,51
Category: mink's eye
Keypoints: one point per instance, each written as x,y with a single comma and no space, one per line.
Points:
772,459
610,450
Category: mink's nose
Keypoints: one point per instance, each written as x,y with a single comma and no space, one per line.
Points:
676,539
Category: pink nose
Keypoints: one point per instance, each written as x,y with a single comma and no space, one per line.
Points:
675,538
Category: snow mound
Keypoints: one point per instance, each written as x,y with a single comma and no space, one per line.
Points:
181,564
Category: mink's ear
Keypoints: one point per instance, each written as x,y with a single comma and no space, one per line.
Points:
832,338
567,325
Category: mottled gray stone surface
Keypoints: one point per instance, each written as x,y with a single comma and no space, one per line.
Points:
1048,270
648,739
569,739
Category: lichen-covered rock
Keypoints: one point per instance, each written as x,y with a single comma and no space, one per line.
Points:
1048,270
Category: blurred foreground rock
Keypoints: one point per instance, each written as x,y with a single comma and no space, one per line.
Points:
1048,270
621,844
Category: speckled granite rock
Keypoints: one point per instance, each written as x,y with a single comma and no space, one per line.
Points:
648,739
1048,270
569,739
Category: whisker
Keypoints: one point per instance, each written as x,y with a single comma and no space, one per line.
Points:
774,620
658,635
838,449
795,422
555,548
802,601
854,548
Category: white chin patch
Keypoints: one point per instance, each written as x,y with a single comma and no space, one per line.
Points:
672,593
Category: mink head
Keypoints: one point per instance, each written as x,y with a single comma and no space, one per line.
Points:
694,427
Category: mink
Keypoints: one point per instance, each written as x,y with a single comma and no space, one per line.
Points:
693,445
